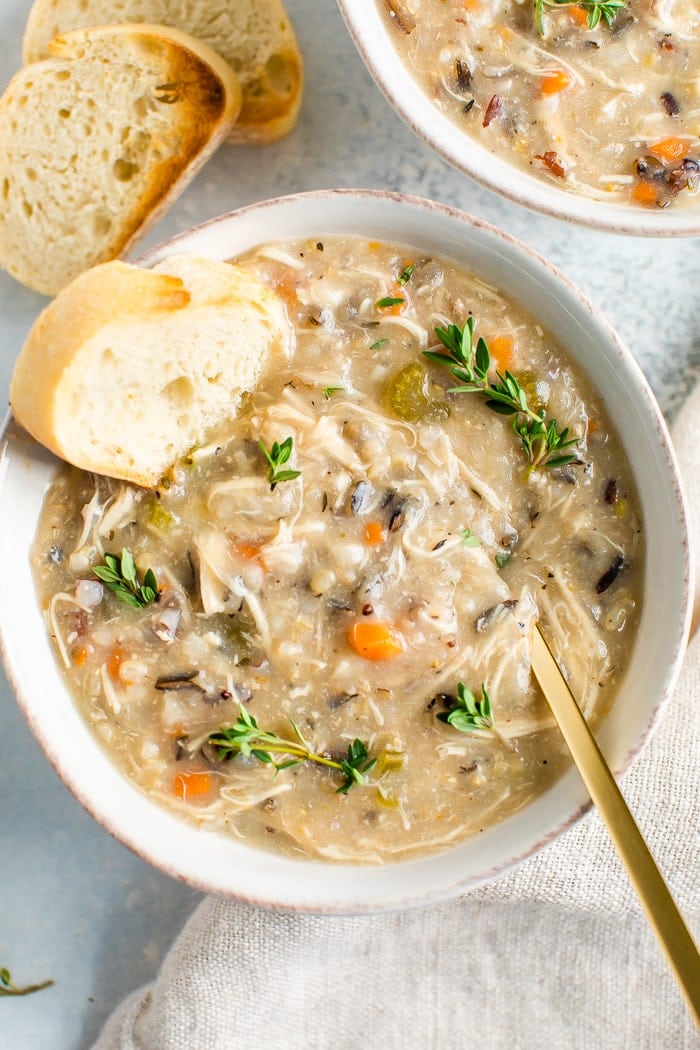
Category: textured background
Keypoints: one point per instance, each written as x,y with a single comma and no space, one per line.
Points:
75,905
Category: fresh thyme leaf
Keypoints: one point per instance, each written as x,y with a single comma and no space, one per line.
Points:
7,987
543,443
285,475
120,576
134,600
608,10
378,343
298,733
355,766
149,588
469,539
406,274
276,457
128,567
246,738
328,391
389,300
502,560
468,714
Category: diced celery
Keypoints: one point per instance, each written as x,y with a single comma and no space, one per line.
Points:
407,398
387,801
528,381
158,516
389,761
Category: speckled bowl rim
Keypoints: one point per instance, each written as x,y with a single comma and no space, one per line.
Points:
372,39
283,900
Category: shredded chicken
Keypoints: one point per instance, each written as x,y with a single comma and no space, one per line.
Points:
396,571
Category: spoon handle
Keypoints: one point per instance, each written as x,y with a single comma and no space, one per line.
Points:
653,893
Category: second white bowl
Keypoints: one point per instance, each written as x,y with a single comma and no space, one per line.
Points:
374,42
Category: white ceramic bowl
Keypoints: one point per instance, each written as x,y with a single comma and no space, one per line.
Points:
373,39
221,865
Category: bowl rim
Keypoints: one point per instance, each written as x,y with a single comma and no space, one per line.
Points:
371,37
286,900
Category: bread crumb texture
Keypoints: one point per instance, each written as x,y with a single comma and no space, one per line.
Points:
255,37
96,141
129,369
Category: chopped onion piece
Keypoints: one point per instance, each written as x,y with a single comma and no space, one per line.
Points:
89,593
166,623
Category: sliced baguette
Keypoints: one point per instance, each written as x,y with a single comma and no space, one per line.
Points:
97,142
254,36
127,369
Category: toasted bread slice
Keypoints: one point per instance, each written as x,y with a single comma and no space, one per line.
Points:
97,141
128,369
254,36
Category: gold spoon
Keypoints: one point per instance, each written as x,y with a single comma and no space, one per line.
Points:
662,913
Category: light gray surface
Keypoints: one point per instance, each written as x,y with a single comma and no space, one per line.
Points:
75,905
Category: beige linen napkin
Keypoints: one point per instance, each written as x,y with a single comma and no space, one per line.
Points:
555,954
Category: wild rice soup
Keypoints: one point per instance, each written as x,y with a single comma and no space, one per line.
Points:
611,112
388,581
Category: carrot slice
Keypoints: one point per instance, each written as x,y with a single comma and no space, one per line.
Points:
375,640
116,658
670,150
645,193
502,347
553,83
247,550
79,656
191,785
250,552
579,15
374,533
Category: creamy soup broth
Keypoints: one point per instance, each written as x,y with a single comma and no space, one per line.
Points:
611,112
413,552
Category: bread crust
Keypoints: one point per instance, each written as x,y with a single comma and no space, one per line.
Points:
271,116
255,37
208,97
91,382
108,293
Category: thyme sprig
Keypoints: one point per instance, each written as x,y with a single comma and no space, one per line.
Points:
246,738
276,457
543,443
608,10
466,713
469,539
119,575
8,987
